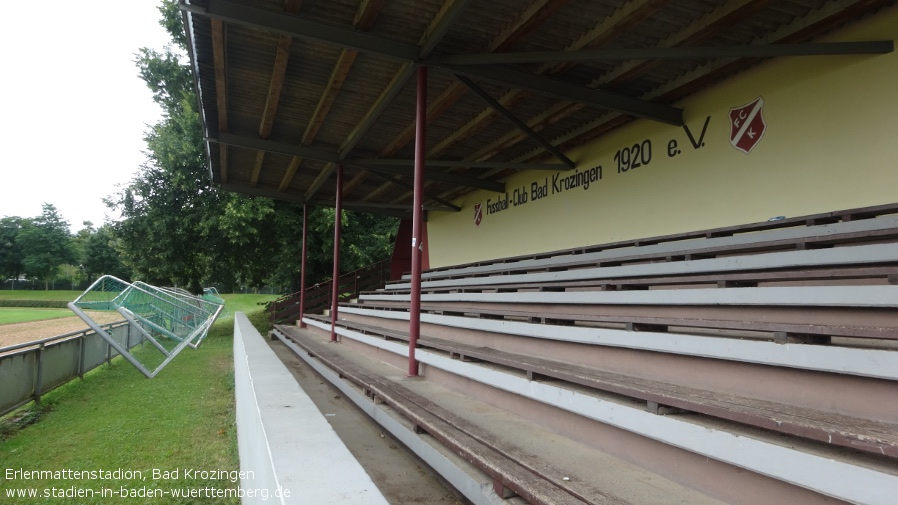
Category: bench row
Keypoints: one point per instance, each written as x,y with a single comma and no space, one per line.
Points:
771,251
848,431
819,230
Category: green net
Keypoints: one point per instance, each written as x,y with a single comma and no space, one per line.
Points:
166,319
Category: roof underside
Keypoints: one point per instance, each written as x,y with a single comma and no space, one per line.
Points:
289,89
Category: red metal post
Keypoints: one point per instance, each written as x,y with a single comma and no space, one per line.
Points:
302,274
414,329
338,214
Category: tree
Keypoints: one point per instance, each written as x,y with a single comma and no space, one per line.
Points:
177,229
46,244
11,256
100,256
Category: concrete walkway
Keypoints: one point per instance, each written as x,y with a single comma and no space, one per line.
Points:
289,454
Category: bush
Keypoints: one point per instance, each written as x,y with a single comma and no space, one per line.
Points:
35,304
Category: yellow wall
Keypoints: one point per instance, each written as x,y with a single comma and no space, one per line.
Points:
831,142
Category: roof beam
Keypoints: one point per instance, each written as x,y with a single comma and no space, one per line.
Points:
364,20
444,19
277,84
268,193
389,93
509,99
305,29
459,180
218,61
408,162
221,91
290,174
431,37
672,53
223,162
319,181
395,206
334,85
566,91
528,20
438,106
517,122
367,13
713,22
608,29
408,185
720,18
271,146
257,168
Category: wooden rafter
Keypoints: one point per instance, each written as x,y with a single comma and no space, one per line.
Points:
800,31
218,59
719,19
257,168
278,75
277,84
529,19
436,107
334,85
365,17
705,27
221,91
367,13
291,172
604,32
223,162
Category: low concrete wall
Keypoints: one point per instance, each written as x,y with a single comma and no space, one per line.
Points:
289,454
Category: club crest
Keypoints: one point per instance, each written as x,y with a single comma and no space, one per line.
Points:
748,125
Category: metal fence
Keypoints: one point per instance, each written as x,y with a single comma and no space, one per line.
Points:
32,369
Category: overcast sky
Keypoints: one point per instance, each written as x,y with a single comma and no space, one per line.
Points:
74,110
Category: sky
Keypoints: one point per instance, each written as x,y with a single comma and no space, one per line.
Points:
73,109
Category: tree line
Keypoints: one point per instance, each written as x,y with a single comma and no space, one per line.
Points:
43,249
176,228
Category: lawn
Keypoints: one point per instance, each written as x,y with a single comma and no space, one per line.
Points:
27,294
10,315
115,419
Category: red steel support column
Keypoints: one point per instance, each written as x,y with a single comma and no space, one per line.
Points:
338,214
414,329
302,274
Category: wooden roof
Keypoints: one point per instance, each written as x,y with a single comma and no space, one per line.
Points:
290,88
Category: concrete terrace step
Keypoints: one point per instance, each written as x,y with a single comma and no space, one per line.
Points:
829,427
826,235
516,455
877,363
758,229
855,478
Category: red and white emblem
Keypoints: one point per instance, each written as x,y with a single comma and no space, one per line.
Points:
478,213
747,125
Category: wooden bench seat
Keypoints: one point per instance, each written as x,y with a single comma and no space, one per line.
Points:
843,311
857,264
508,469
877,363
752,230
771,323
868,435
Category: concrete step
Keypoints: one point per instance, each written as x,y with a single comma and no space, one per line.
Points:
563,470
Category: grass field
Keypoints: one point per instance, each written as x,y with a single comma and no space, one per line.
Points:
9,315
115,419
25,294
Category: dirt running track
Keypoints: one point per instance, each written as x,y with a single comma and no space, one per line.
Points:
18,333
